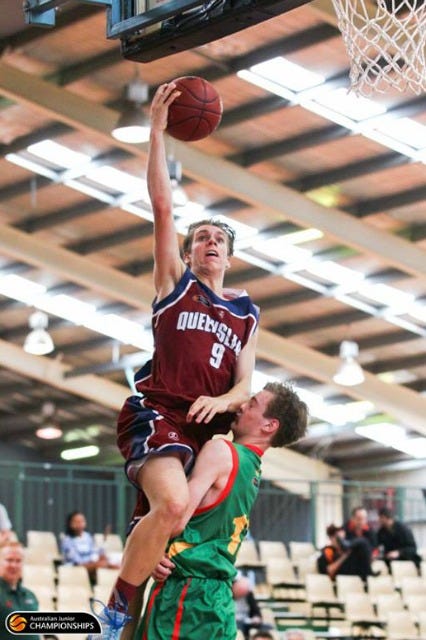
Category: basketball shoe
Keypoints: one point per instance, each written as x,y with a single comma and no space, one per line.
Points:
112,622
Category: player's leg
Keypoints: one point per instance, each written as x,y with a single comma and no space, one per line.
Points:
163,481
135,611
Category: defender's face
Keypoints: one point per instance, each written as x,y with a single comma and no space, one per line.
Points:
209,248
250,418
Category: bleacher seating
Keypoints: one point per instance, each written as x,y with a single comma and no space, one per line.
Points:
389,606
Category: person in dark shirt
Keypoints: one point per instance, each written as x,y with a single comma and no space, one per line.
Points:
13,595
396,539
247,611
344,557
357,527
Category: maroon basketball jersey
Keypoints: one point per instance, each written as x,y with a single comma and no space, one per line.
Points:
198,337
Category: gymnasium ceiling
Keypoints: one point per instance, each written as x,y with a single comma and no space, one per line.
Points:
273,165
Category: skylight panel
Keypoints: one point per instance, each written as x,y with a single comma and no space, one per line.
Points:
118,180
386,433
355,107
415,447
418,311
386,295
58,154
18,288
405,130
336,273
279,249
304,235
69,308
288,74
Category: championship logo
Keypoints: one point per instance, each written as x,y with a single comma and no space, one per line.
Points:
51,622
17,622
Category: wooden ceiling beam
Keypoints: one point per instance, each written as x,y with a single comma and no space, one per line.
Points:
348,171
364,208
51,372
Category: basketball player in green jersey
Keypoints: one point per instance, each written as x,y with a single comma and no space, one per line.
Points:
192,598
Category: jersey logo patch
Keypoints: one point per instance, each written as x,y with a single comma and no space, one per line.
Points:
172,435
203,299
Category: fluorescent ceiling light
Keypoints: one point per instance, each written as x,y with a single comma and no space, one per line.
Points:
288,74
355,107
279,249
415,447
394,436
124,330
18,288
386,295
268,85
336,273
118,180
70,308
384,432
405,130
35,167
58,154
417,310
304,235
80,452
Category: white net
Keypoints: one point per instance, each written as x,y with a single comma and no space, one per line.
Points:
385,41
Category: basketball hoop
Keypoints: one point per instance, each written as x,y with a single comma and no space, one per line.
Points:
385,41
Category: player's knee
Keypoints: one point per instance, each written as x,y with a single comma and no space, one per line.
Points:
172,512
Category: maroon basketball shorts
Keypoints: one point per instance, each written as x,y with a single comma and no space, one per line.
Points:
143,431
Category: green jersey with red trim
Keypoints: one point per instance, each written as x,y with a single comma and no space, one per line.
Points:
208,545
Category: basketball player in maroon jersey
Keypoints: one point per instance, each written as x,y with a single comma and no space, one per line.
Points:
200,373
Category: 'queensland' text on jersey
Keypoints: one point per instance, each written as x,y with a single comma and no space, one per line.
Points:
198,338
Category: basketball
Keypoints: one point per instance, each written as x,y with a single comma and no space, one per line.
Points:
196,112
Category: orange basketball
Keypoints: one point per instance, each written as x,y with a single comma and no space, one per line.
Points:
196,112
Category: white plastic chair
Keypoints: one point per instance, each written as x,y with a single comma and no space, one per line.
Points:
72,598
401,626
348,584
272,550
403,569
39,577
380,585
44,540
247,555
69,575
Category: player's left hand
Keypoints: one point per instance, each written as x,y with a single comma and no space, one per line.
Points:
163,569
205,408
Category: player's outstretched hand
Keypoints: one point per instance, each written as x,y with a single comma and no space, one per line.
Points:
206,407
163,569
163,97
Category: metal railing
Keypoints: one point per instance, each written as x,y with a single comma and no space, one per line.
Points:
39,496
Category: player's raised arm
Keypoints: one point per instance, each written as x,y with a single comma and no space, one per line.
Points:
168,266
